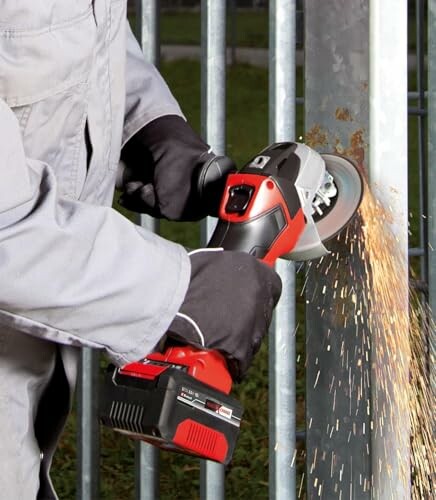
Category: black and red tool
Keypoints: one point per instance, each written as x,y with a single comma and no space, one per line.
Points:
286,202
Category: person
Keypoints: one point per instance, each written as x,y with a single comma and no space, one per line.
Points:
75,95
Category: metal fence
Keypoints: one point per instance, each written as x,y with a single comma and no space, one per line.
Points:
367,30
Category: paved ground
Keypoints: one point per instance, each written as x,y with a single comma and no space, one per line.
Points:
253,56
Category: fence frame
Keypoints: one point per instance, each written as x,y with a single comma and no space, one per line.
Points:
282,127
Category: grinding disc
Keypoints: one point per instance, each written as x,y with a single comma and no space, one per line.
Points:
349,183
322,227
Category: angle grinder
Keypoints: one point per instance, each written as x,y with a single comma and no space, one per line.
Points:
288,202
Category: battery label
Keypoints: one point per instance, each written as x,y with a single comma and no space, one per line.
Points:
225,412
188,394
202,402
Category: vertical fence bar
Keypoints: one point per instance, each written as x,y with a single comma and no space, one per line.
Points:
432,179
88,474
422,164
337,119
388,176
213,83
282,371
213,74
146,455
147,29
146,471
213,119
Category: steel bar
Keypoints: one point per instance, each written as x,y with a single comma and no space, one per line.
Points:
415,95
146,455
420,112
213,74
147,29
88,474
416,252
420,82
432,179
213,119
282,351
338,444
146,471
282,398
388,176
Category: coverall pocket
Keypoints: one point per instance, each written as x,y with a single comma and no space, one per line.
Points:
44,73
38,62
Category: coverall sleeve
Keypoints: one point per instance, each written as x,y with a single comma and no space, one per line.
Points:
147,95
75,273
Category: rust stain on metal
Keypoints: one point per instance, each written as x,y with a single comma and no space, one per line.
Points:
356,149
338,148
316,136
343,114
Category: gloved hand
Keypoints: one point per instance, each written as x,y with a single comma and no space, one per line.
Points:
228,306
171,173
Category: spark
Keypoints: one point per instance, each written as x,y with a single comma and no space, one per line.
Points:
301,485
388,371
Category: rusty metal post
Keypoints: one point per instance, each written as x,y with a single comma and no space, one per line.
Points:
338,438
356,103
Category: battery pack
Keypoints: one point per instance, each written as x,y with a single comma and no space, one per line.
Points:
164,405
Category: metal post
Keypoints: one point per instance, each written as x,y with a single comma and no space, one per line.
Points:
146,455
88,476
338,441
388,175
422,164
213,73
356,80
146,471
147,29
213,119
432,180
282,371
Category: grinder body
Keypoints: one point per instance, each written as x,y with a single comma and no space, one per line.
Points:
179,399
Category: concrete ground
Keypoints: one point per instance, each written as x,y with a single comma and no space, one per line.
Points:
247,55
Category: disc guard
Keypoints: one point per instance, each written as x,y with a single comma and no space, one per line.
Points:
318,231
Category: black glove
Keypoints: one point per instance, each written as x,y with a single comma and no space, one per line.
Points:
228,306
171,173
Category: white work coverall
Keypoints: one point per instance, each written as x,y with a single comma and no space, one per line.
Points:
73,272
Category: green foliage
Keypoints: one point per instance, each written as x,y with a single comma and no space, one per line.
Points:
249,29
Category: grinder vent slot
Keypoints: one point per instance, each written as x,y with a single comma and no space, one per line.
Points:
126,416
